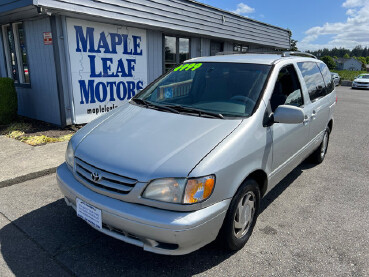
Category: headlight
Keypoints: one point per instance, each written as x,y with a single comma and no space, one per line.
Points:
69,155
166,190
180,190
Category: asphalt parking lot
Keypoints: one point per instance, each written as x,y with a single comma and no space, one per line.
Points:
314,223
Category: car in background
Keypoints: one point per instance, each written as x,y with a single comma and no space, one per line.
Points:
361,81
336,78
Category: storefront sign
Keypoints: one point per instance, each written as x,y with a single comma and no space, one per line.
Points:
108,66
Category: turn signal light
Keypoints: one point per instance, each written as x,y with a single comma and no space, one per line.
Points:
198,189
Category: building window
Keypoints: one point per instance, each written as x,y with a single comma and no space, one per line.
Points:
240,48
16,53
176,50
216,47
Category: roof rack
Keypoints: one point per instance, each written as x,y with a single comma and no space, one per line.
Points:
282,53
296,53
228,53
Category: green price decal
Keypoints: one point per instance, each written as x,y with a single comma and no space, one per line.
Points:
188,66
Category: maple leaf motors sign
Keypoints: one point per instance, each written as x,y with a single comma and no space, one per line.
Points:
108,66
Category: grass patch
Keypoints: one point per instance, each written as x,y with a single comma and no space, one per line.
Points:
15,134
19,130
39,140
348,74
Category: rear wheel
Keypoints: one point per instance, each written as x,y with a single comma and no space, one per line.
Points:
318,155
241,216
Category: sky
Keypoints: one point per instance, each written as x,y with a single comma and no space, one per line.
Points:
315,24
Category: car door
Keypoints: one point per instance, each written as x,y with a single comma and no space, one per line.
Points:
288,139
317,108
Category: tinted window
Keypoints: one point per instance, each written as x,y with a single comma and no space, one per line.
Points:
327,77
216,47
313,79
228,88
176,50
170,56
184,49
287,89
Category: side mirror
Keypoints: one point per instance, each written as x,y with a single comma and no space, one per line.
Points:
289,114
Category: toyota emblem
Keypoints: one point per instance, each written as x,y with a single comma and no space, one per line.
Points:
95,176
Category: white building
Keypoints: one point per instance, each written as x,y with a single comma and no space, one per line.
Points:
348,64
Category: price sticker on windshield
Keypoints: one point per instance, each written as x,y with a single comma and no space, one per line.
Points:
188,66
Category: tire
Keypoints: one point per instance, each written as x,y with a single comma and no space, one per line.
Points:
319,154
241,216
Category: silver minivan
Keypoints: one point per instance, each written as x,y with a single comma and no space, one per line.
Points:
188,159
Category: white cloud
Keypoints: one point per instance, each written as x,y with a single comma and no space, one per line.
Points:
353,3
243,9
348,34
351,12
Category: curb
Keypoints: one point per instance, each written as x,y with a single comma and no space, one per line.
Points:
346,83
27,177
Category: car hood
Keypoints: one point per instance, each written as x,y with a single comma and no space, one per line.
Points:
145,144
361,80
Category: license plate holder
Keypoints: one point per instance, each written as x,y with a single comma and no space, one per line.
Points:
89,213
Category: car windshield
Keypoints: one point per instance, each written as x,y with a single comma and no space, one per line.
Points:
221,89
364,77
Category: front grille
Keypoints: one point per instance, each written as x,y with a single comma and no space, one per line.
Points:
154,243
362,83
119,231
104,179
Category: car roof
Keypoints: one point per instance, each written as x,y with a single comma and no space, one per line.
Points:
267,59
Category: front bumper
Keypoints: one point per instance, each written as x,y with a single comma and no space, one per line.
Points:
159,231
356,85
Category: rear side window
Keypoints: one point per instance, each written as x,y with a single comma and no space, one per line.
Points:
313,79
327,77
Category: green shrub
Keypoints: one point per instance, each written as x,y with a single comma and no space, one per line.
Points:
8,101
329,62
348,74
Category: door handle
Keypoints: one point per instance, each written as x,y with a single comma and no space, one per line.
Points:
306,120
313,115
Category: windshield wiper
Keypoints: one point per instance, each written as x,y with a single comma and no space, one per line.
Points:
176,108
149,104
197,111
140,101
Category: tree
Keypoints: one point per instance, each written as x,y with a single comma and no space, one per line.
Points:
329,62
367,60
357,51
363,61
293,45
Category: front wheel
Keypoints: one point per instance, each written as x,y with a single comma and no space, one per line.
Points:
319,154
241,216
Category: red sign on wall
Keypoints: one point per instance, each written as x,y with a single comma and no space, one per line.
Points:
48,39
